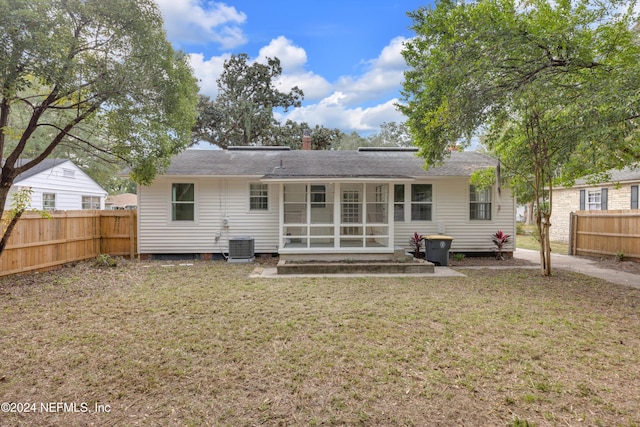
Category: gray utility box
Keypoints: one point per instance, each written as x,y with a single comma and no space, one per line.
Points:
437,249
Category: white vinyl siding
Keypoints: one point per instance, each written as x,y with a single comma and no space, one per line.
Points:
228,197
215,200
68,190
451,217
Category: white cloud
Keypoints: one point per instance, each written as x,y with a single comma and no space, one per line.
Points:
332,112
337,103
292,58
384,76
188,21
207,72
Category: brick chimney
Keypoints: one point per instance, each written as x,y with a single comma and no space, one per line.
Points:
306,139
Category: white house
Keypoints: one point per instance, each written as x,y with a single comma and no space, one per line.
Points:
313,203
619,193
58,184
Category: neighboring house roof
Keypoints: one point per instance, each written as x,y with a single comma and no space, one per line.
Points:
40,167
280,163
122,200
630,173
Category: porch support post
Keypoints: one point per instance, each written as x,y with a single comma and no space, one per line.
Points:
391,215
281,238
336,215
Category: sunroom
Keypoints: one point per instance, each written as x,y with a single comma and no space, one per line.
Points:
329,216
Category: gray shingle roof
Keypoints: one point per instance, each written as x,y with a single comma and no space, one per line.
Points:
292,164
40,167
630,173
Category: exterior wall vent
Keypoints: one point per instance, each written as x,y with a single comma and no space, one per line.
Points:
241,249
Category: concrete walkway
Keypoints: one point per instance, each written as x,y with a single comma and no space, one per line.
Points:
581,265
565,262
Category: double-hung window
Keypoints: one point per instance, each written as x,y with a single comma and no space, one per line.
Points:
258,197
421,202
479,203
594,200
398,202
183,202
90,202
48,201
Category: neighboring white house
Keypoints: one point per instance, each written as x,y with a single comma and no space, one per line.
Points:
620,193
304,202
58,184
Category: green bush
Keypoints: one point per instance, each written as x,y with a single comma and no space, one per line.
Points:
106,260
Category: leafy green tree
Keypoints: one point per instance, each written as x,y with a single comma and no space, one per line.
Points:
290,134
242,113
391,134
93,74
554,86
349,141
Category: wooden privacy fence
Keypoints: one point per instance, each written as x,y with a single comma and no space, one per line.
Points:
39,243
595,233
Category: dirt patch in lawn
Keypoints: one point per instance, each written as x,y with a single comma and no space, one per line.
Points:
205,344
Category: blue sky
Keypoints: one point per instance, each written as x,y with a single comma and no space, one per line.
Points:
344,55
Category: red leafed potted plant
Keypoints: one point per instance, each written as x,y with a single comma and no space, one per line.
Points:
500,239
416,243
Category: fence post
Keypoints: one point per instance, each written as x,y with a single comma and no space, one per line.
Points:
132,237
571,228
574,234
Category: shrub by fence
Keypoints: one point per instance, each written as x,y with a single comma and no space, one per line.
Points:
612,233
39,243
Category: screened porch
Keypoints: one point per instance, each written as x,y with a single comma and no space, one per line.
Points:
335,217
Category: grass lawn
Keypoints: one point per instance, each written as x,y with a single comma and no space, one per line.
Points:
526,241
205,345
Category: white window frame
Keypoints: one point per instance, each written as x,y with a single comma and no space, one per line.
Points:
399,207
593,201
258,191
485,213
94,202
45,202
173,202
413,203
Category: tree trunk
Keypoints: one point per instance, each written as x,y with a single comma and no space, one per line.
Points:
529,214
7,233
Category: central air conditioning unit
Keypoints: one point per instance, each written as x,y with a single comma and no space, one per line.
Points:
241,249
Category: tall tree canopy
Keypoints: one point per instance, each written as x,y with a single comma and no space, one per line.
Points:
242,113
99,75
554,87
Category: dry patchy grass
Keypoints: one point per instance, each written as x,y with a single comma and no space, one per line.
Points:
206,345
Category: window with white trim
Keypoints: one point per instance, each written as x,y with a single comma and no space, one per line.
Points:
183,202
479,203
594,200
48,202
258,197
398,202
421,202
90,202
